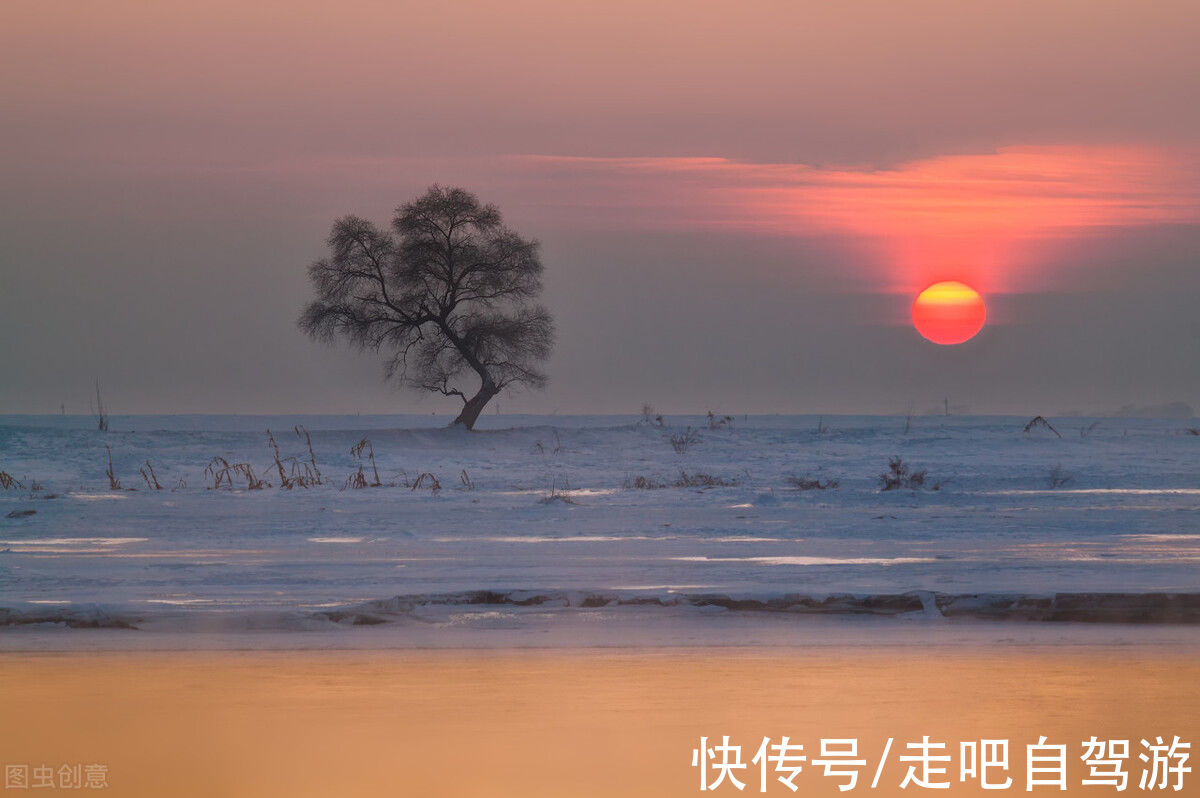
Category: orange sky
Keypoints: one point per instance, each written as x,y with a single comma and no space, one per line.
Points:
974,217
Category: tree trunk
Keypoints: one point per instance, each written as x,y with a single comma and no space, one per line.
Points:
474,406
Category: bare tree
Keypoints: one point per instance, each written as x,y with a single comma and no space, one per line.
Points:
449,292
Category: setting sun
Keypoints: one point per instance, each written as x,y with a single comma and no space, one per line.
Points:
949,312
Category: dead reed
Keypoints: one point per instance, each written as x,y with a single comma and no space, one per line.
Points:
298,474
113,482
150,478
358,450
221,472
427,480
1037,422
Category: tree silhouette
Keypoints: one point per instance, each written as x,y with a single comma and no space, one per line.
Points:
449,293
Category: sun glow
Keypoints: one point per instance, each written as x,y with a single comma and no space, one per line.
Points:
988,218
949,312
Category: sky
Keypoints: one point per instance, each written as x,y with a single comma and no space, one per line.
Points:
737,202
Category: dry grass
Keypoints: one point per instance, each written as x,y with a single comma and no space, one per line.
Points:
101,415
805,483
683,441
1037,422
702,480
113,482
427,480
900,475
298,474
364,447
222,473
641,482
1058,478
312,457
283,477
684,480
650,418
716,422
541,448
557,496
150,478
357,480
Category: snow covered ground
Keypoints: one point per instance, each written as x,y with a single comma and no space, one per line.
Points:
541,514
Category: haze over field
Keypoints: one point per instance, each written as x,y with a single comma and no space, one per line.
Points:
736,205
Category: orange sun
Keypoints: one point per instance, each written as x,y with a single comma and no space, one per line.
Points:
949,312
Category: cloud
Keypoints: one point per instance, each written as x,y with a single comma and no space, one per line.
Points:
981,218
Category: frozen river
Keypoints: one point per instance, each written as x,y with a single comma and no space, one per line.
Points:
548,512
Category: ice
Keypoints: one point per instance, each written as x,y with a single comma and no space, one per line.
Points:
992,540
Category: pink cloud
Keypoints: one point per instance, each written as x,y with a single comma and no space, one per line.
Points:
979,218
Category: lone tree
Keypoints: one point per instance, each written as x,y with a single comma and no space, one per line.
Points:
449,293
